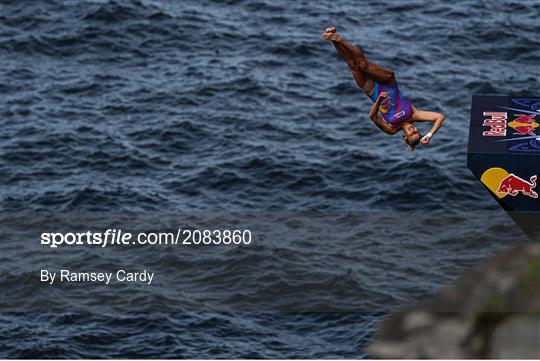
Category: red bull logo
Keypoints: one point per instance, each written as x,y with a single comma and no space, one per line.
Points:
496,122
503,184
385,105
512,185
524,124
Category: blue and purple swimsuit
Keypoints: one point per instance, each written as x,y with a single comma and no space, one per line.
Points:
395,108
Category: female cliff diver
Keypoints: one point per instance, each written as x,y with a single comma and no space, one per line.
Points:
381,87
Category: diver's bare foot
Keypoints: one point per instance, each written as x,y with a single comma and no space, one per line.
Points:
331,35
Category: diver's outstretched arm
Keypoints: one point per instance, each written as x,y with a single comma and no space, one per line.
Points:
426,116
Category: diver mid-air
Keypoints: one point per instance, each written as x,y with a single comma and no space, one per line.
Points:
381,87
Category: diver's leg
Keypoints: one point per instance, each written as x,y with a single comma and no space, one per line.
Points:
376,72
360,78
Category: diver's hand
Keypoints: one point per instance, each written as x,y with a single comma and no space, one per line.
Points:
426,138
383,95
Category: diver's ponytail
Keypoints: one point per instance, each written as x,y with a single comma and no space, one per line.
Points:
411,145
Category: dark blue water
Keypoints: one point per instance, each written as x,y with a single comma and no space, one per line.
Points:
236,113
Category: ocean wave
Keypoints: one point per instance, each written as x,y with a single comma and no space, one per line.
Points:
156,107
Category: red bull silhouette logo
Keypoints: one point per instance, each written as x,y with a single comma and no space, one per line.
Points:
503,184
524,124
513,184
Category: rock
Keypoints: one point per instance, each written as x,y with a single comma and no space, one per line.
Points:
443,340
417,320
493,311
519,337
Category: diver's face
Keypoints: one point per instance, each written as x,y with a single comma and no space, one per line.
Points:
410,131
411,135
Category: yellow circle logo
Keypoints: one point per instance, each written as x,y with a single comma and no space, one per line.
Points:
492,179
